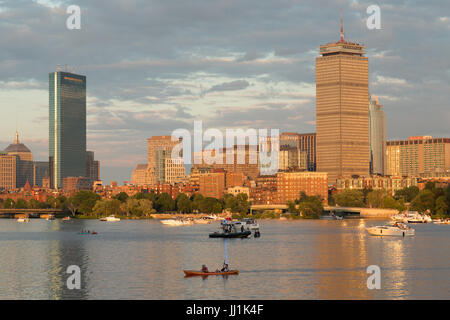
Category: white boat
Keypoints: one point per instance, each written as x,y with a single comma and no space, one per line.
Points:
204,220
110,219
412,217
66,218
177,222
391,229
250,224
23,220
441,221
50,217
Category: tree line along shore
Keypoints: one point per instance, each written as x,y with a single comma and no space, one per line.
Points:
89,205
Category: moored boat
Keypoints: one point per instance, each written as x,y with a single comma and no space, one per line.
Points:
177,222
191,273
23,220
66,218
391,229
110,219
411,217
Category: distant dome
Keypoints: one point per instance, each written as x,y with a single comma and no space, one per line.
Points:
19,147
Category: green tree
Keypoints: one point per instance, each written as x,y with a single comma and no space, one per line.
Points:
146,207
375,198
21,204
164,203
85,201
33,204
350,198
183,203
291,207
441,205
390,203
121,196
311,207
196,199
9,203
407,194
210,205
423,201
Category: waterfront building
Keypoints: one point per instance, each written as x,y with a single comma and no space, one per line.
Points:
237,190
375,182
377,137
308,145
174,171
264,190
291,184
67,126
24,162
418,156
212,184
342,109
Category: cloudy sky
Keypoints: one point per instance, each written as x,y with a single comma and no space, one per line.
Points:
156,65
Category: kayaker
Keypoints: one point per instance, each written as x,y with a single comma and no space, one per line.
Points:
225,267
205,269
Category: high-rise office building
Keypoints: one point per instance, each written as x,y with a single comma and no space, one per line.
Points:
377,137
304,142
159,148
8,171
418,156
67,126
40,172
342,109
92,167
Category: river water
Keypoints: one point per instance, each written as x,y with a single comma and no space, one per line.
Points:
143,259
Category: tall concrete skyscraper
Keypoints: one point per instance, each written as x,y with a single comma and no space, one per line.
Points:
342,109
377,137
67,126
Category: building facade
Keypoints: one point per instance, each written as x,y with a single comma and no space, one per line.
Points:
158,149
67,126
389,184
212,184
342,110
8,171
291,184
377,137
418,156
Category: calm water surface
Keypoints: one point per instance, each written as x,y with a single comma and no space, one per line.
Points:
291,260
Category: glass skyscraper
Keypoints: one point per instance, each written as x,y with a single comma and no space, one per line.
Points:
67,126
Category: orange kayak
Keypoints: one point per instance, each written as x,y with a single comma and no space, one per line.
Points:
190,273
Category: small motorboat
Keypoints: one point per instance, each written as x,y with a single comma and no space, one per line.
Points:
204,220
66,218
177,222
242,234
110,219
250,224
191,273
391,229
23,220
411,217
441,221
50,217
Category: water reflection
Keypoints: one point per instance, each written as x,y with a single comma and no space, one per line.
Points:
291,260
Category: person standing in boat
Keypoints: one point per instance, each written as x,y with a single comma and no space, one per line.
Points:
205,268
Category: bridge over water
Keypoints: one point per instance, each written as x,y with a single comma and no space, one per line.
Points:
10,213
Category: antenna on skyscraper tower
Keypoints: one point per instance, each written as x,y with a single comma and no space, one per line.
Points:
342,29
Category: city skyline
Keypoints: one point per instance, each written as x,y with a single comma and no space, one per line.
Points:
234,83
